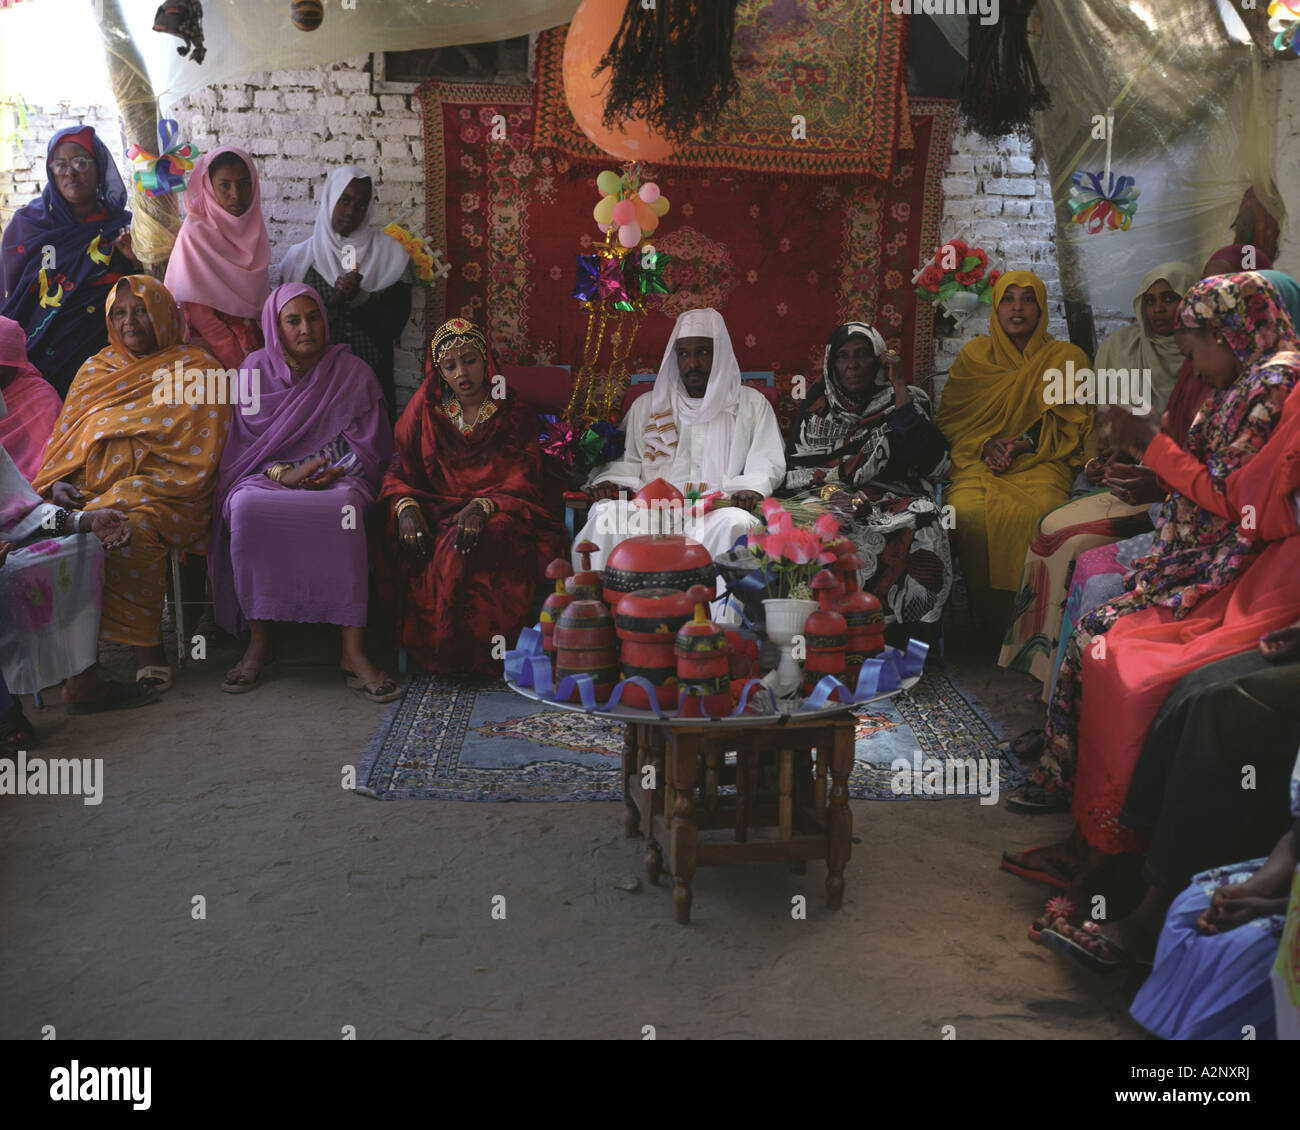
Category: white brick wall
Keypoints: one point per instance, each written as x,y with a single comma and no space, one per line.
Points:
299,122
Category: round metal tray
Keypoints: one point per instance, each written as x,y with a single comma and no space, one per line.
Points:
636,714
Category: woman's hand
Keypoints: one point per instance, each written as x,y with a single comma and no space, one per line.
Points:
347,285
999,453
65,494
321,479
414,533
1095,469
1234,906
123,244
469,524
1133,484
295,476
1131,433
111,527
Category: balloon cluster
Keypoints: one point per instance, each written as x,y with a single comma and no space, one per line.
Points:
157,175
1284,22
629,204
1098,201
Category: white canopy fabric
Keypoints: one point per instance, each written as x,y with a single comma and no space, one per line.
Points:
244,37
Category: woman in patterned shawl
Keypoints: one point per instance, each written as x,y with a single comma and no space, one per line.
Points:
865,443
1242,341
120,444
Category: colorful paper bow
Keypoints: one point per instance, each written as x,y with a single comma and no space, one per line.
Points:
1284,20
586,288
557,439
1095,207
601,443
164,173
651,279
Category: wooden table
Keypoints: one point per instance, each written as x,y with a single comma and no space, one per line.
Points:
686,767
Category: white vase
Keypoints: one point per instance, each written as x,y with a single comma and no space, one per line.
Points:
783,620
961,304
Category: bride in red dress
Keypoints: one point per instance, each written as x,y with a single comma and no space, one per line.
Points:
463,504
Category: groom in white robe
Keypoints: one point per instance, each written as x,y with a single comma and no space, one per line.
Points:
699,429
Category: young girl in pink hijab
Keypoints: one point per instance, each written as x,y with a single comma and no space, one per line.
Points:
218,270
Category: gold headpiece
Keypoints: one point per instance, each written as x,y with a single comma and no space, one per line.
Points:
454,333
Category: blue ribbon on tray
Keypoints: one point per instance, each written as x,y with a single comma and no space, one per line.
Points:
528,665
878,675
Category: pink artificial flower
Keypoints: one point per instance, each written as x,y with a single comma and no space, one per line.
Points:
780,523
770,506
827,527
758,542
791,546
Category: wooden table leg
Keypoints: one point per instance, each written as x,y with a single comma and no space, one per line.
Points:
785,771
650,746
631,814
681,854
839,820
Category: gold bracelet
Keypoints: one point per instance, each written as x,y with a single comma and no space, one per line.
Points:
403,505
276,471
486,505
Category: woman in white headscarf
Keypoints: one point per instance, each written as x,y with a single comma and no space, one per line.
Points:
361,275
866,447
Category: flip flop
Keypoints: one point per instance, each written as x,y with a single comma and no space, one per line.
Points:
120,696
373,690
1052,878
1027,747
1058,906
267,668
157,677
1112,956
1035,800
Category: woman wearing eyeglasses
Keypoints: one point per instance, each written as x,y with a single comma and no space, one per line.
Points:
63,253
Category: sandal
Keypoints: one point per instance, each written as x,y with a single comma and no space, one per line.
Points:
116,696
1052,876
383,689
1058,906
1037,800
1087,945
16,732
1027,747
231,686
156,678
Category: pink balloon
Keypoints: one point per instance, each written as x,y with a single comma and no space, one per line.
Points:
649,192
629,235
624,212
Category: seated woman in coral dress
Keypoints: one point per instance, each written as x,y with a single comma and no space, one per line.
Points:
464,509
289,539
116,447
1014,455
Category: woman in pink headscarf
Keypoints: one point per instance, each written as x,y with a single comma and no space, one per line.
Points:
218,270
33,403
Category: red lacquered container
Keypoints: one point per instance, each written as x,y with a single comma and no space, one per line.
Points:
703,660
646,623
585,645
840,547
825,634
657,561
862,614
558,570
586,583
743,658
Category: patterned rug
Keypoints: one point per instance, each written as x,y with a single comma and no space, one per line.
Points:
784,260
842,67
478,740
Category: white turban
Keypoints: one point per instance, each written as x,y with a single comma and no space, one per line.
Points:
712,417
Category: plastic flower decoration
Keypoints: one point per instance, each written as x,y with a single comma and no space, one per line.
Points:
937,282
789,555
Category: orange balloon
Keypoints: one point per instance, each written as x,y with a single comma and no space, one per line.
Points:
591,31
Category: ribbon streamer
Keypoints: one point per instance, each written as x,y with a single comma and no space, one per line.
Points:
157,175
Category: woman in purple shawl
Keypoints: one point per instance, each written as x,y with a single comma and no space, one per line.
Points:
63,253
288,536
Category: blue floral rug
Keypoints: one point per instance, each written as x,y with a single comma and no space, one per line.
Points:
461,739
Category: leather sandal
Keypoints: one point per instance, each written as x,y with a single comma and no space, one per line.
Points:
266,668
155,677
375,689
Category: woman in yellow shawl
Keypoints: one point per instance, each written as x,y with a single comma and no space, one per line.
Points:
123,444
1014,455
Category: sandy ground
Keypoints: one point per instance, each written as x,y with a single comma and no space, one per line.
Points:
325,909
